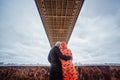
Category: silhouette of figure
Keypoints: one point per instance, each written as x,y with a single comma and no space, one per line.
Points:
54,58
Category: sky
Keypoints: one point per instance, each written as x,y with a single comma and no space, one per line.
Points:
95,37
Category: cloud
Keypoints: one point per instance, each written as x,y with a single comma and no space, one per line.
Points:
22,36
95,38
96,35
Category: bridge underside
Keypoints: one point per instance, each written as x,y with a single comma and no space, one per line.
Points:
59,18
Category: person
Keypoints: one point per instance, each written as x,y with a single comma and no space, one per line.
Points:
68,69
54,58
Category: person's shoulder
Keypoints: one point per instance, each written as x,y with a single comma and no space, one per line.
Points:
52,50
56,48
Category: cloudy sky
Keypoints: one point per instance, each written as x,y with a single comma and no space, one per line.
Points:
95,38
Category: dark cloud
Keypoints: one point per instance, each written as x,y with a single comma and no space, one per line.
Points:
95,38
96,8
96,34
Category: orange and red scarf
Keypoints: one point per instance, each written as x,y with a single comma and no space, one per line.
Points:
68,69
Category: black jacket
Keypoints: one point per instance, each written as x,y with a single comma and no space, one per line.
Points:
54,56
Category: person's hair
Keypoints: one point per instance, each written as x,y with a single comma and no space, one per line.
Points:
57,43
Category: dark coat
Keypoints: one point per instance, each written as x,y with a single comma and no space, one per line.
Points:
53,58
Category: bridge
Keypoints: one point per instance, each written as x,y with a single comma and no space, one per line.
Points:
59,18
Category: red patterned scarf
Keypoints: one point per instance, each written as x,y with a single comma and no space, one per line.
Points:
68,70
